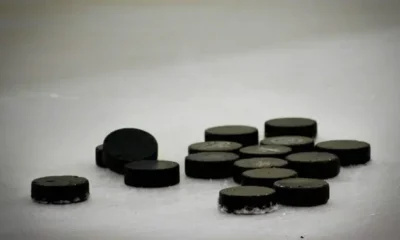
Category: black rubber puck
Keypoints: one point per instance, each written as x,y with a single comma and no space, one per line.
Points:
276,151
210,165
126,145
60,189
296,143
350,152
99,156
151,174
321,165
246,200
243,165
215,146
305,192
291,127
266,176
244,135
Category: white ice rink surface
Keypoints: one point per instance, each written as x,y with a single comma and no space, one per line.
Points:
72,71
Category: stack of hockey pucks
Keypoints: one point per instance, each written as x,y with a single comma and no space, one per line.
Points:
286,167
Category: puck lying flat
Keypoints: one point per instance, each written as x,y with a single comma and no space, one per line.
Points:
151,174
210,165
243,165
266,176
321,165
304,192
296,143
244,135
291,126
60,189
99,156
126,145
215,146
276,151
246,200
350,152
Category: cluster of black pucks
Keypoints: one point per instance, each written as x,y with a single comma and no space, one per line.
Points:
286,167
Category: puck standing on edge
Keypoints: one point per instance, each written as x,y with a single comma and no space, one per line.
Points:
266,176
210,165
243,165
350,152
303,192
99,156
151,174
214,146
291,126
245,135
296,143
276,151
321,165
60,189
246,200
126,145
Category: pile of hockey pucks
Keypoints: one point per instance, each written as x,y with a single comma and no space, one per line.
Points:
286,167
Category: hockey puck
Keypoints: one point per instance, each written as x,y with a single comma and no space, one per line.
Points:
276,151
244,135
246,200
302,192
126,145
291,127
243,165
321,165
296,143
266,176
99,156
60,189
214,146
350,152
210,165
151,174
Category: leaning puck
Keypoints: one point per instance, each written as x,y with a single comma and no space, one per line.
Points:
243,165
350,152
244,135
151,174
126,145
60,189
210,165
276,151
214,146
291,126
246,200
305,192
321,165
296,143
266,176
99,156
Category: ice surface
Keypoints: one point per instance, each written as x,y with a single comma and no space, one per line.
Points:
72,71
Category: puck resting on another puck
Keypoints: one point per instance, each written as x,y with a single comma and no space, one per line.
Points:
321,165
214,146
210,165
99,156
60,189
151,174
243,165
266,176
246,200
291,127
126,145
303,192
245,135
296,143
276,151
350,152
